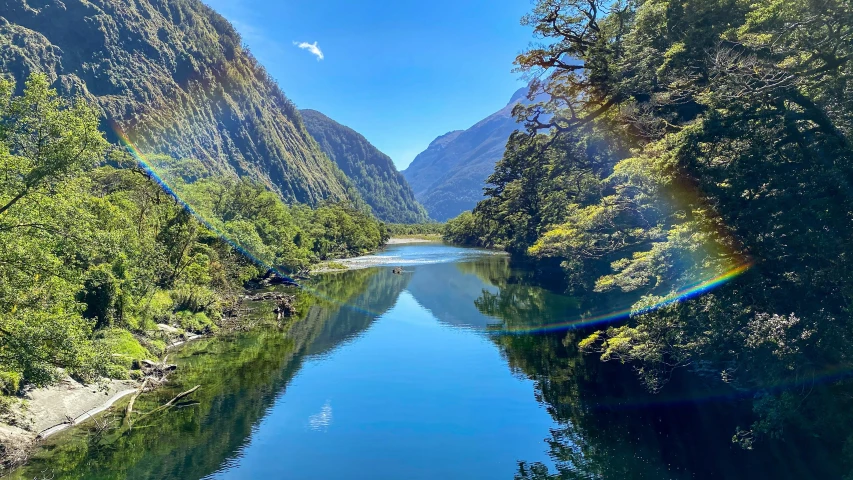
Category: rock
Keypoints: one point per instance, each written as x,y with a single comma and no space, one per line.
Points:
269,279
168,329
266,296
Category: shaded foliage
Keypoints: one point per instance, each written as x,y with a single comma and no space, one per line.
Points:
679,141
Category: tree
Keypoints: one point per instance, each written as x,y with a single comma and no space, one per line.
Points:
45,139
710,136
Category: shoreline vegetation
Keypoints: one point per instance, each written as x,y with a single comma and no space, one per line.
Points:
48,410
105,263
662,157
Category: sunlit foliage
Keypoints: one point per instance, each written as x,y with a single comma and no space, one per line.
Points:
92,256
680,139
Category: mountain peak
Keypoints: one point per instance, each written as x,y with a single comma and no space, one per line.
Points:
448,177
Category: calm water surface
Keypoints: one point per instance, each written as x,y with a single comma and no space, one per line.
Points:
409,377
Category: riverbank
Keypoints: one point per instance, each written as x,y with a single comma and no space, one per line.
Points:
352,263
45,411
40,413
402,240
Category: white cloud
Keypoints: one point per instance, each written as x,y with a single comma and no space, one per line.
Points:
311,47
319,422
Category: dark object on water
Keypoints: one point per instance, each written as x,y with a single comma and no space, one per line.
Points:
397,270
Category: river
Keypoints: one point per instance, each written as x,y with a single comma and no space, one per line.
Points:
426,374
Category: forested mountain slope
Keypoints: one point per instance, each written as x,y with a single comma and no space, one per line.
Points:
173,77
449,176
372,172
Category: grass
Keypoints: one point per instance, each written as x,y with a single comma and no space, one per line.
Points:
328,266
125,349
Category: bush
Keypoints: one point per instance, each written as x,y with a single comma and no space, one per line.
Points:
195,322
42,340
158,309
156,346
10,382
195,298
124,350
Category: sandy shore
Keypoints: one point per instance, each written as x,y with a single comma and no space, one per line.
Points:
46,411
49,410
58,407
366,261
400,241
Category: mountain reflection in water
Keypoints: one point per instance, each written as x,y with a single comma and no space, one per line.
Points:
410,376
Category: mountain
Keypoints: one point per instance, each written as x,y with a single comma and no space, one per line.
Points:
371,171
449,176
172,76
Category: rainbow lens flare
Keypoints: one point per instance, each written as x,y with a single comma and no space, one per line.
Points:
150,170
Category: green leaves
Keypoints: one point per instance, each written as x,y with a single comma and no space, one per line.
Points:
680,140
89,256
46,139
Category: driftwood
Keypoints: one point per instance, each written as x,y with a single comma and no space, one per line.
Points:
171,402
180,396
285,307
129,409
160,369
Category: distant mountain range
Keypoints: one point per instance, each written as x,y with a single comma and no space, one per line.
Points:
449,176
174,78
373,173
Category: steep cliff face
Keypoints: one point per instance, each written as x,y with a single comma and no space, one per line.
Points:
371,171
173,77
449,176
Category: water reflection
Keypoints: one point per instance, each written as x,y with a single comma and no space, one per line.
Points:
450,293
241,378
353,300
610,427
369,371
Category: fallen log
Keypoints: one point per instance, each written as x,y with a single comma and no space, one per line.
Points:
171,402
180,396
129,409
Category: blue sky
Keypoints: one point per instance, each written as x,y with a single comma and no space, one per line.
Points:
399,72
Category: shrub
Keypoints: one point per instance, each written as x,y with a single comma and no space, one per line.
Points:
195,322
124,350
10,382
